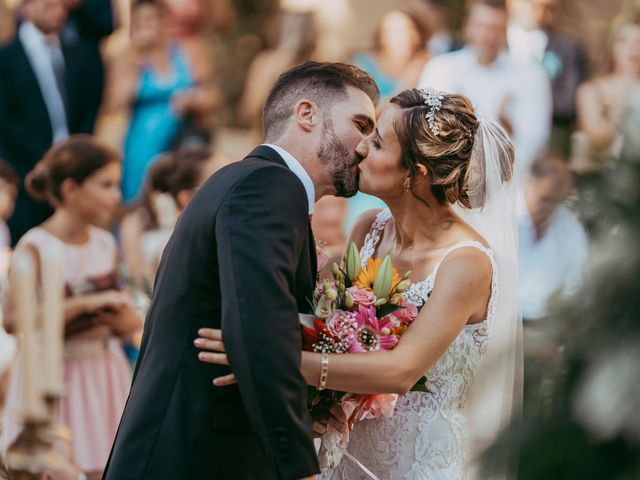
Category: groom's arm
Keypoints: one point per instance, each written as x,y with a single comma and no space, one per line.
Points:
261,231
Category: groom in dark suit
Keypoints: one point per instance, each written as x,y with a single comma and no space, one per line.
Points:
242,258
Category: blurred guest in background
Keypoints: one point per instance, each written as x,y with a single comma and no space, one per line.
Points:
552,242
9,185
396,64
602,102
7,357
89,21
297,43
533,38
170,184
81,178
552,259
400,49
7,22
168,96
48,89
328,229
189,19
519,95
7,354
442,39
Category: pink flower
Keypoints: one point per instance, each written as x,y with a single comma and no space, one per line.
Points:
362,297
372,334
342,325
361,407
407,314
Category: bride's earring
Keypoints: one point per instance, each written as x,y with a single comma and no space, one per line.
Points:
407,184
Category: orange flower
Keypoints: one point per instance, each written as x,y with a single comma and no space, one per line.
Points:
399,330
367,276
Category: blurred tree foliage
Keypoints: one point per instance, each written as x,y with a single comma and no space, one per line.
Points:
591,426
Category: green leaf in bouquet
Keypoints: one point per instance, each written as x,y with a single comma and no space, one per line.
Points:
387,308
421,385
338,275
347,282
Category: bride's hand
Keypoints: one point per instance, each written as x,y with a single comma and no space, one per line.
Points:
210,340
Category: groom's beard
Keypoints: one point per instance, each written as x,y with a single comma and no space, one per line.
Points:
344,172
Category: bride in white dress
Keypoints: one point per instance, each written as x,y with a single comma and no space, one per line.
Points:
446,177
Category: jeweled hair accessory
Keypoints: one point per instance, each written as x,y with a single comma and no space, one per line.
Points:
432,98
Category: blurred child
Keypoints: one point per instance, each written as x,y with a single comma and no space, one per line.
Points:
170,184
80,178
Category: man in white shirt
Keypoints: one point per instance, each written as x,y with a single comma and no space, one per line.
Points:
532,38
518,95
551,261
552,243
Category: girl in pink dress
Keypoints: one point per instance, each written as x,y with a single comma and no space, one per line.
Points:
81,179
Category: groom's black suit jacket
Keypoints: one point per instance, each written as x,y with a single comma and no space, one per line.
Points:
242,257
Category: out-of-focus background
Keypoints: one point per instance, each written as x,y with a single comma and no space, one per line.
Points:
177,87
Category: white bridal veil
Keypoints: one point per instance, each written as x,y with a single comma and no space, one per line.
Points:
495,396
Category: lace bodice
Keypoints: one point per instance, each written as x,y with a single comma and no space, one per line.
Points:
426,436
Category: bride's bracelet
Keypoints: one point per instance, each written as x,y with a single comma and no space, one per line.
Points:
324,371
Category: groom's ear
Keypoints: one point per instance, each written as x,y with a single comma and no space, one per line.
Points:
306,114
424,171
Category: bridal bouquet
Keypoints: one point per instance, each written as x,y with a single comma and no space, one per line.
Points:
358,310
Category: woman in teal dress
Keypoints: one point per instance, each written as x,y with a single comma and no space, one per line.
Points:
154,121
166,89
395,64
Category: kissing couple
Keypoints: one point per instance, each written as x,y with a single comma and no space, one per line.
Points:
241,265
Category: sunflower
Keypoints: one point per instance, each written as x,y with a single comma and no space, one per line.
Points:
367,276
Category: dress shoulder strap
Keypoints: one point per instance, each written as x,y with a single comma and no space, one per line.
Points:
494,272
373,236
458,246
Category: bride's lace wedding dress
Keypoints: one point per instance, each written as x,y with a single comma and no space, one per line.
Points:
426,436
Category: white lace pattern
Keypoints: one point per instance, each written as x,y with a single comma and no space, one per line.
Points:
425,438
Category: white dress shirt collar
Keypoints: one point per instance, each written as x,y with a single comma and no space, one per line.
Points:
501,60
300,172
32,36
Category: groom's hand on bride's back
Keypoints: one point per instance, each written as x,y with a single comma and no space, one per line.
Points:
212,345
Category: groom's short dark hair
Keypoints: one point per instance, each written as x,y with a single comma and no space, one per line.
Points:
324,83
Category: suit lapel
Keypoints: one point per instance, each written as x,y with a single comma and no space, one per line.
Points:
313,255
271,155
28,82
